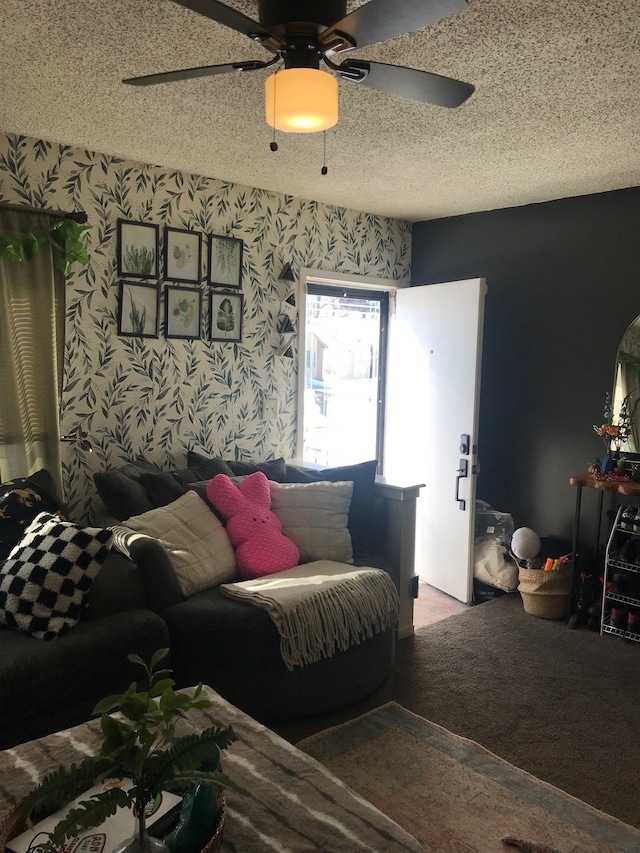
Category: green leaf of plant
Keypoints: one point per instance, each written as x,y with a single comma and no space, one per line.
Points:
189,753
134,706
187,779
105,705
158,656
30,246
90,813
63,785
116,733
160,686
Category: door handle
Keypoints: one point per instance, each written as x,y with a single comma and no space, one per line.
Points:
461,473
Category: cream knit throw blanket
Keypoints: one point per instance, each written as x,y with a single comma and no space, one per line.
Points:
322,607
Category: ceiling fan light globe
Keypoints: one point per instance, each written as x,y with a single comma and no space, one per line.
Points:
301,100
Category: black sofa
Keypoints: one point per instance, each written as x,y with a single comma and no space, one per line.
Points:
233,646
135,605
46,686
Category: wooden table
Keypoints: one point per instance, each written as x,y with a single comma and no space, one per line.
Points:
286,801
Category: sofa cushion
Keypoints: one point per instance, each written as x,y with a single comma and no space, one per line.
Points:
314,516
163,487
273,469
363,477
47,687
198,545
204,467
248,669
45,579
21,499
121,490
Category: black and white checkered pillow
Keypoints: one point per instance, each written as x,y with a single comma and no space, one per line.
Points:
46,577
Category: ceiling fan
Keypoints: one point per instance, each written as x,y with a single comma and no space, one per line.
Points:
301,34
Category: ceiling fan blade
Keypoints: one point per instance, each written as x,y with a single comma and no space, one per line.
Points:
193,73
407,82
230,18
380,20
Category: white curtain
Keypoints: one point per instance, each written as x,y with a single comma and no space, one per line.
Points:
32,310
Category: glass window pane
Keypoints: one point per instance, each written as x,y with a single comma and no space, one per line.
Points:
342,378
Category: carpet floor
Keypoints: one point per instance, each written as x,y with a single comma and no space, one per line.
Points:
455,796
562,704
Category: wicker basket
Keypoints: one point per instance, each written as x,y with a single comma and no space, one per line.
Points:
545,594
13,824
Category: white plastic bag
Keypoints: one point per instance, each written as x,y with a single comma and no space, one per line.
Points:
491,565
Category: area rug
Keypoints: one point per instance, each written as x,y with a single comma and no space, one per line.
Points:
455,796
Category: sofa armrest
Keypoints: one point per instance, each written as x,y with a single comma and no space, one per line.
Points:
154,567
118,586
394,520
160,580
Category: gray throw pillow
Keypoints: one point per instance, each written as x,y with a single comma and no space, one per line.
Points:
206,468
314,516
199,548
122,491
163,487
363,477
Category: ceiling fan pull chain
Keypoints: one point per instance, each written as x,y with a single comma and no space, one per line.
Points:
324,169
274,145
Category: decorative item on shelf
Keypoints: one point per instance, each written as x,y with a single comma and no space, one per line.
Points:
614,434
287,330
285,350
286,274
140,748
285,326
79,437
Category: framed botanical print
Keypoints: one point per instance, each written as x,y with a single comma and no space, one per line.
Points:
226,316
138,309
182,255
183,312
225,261
138,247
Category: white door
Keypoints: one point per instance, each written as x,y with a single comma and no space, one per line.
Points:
432,401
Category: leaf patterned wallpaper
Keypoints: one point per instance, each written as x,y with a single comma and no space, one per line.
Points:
158,398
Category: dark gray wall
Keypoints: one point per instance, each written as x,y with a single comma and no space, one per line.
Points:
563,282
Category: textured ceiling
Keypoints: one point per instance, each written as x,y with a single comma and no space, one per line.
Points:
556,111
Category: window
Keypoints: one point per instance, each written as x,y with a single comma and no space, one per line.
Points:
32,300
345,331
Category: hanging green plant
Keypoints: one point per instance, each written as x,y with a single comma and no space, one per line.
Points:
65,236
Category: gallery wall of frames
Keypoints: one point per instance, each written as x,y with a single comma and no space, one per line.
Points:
142,258
172,334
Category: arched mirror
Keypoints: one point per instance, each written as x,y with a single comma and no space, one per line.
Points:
626,388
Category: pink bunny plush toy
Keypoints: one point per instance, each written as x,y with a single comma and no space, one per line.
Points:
255,532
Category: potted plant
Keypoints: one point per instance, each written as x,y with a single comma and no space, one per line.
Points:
139,745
